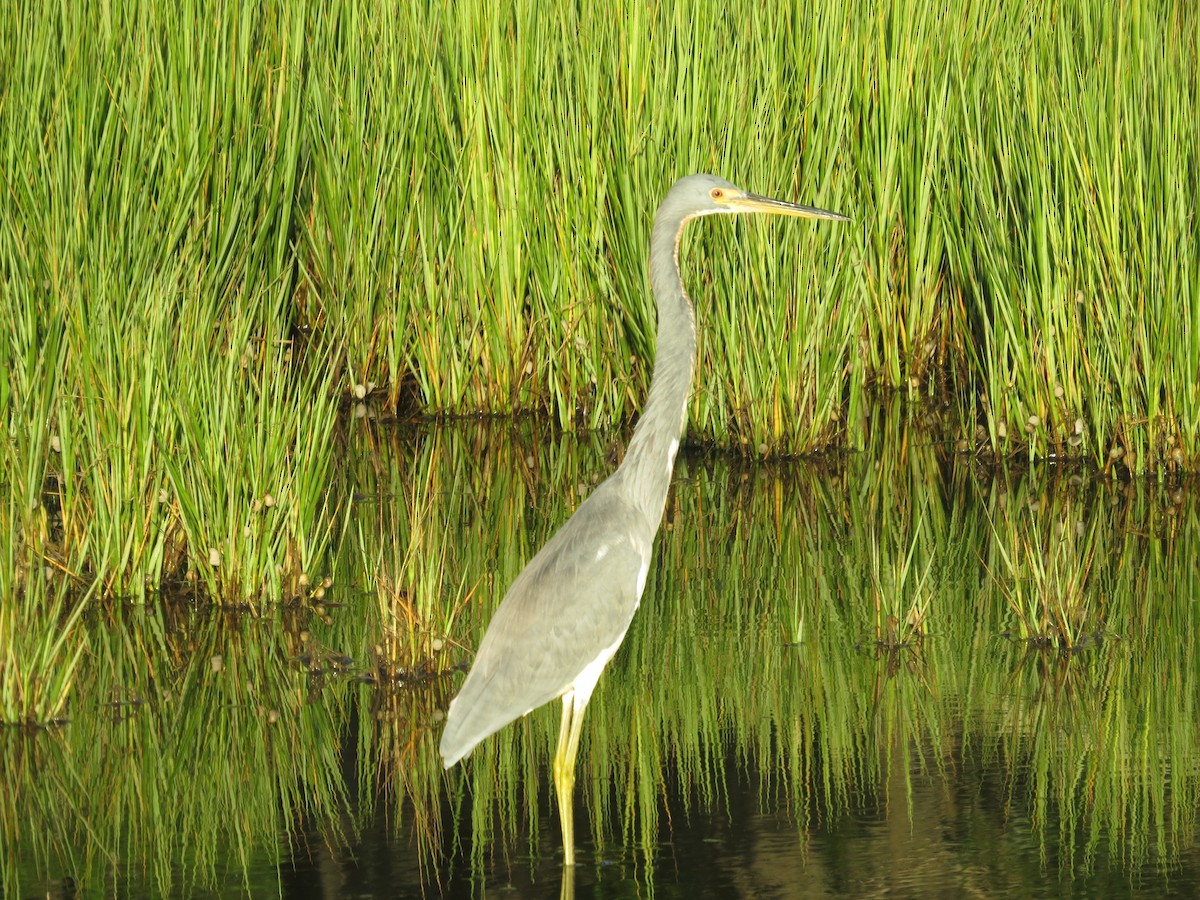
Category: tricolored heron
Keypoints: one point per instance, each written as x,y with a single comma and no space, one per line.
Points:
568,611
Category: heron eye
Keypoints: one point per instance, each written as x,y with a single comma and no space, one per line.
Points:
716,193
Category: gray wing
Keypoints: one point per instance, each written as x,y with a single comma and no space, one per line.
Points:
573,601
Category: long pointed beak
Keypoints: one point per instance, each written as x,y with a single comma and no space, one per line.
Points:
755,203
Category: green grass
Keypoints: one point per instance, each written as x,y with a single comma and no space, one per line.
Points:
218,222
1073,236
208,242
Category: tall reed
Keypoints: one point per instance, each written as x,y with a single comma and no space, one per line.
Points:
451,204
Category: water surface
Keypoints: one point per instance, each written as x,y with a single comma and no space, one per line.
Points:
902,673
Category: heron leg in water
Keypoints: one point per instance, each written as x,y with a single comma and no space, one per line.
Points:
564,770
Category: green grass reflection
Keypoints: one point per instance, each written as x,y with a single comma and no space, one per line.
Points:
776,652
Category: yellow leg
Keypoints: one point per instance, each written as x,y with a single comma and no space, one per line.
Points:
567,890
564,798
564,773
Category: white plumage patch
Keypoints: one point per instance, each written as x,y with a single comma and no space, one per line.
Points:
585,681
642,573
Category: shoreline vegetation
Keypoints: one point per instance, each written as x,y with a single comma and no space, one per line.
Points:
221,230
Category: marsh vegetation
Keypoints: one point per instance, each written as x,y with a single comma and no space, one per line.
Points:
249,260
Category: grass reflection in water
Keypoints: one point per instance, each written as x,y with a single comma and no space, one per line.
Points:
880,673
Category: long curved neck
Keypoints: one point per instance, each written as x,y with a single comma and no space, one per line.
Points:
650,459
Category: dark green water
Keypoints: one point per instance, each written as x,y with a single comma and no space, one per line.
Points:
846,679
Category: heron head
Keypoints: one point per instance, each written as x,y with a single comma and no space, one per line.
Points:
707,195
